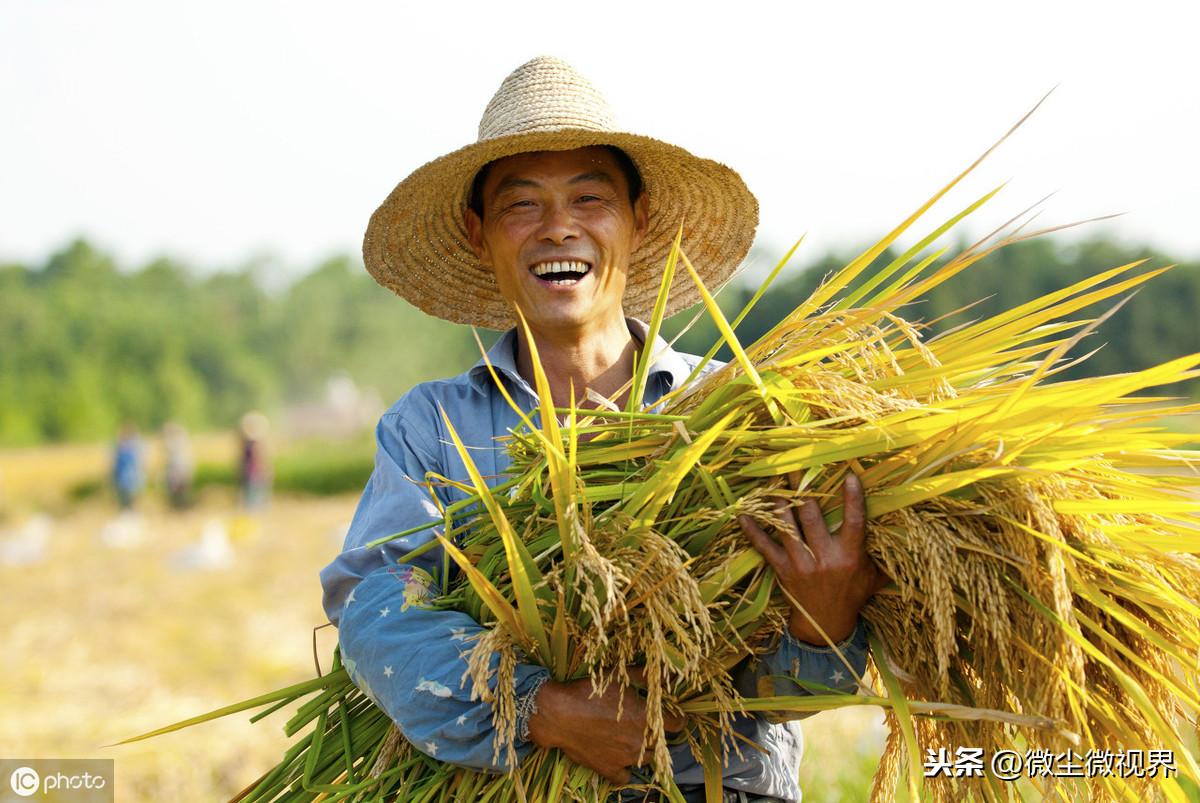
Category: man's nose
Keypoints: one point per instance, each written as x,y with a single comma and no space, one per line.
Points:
558,225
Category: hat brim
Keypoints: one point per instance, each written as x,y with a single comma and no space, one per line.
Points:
416,242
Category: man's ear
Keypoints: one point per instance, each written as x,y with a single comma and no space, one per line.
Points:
641,219
475,237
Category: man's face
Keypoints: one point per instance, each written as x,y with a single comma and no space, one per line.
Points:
557,231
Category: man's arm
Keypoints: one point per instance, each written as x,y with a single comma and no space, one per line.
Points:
408,658
796,668
411,661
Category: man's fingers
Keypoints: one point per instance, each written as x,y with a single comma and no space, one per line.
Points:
783,508
816,532
633,708
854,513
619,778
798,552
881,579
794,478
673,722
606,767
773,552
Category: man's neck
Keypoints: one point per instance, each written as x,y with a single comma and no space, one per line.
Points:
599,357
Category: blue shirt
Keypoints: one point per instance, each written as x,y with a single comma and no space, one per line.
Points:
410,659
127,465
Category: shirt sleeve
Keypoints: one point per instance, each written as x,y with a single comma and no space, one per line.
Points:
408,658
793,664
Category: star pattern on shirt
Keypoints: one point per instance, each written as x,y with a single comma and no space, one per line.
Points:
431,748
387,671
350,598
458,634
462,720
384,611
837,676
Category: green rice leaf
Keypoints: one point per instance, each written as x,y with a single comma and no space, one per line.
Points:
524,572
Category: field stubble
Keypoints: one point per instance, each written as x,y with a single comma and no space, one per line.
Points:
104,643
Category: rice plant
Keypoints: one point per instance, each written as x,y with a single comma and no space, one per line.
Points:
1040,534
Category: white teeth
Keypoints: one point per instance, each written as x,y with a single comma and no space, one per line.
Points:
546,268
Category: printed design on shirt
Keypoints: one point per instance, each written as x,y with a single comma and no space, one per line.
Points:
418,584
359,680
433,687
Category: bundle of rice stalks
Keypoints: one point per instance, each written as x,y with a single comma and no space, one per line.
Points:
1040,535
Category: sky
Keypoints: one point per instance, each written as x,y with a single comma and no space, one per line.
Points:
220,133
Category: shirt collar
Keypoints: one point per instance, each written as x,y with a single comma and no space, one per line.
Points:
503,357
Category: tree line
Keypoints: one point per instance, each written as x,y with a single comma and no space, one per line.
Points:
87,345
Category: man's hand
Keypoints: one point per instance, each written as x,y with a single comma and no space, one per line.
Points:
587,730
830,576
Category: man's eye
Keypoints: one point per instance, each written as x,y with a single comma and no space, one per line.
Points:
586,198
521,203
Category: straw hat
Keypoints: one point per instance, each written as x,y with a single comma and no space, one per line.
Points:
416,243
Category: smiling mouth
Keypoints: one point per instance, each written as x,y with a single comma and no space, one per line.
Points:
564,272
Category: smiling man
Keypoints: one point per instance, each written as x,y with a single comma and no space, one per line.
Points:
556,212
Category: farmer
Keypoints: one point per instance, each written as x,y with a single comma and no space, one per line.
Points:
254,464
128,475
555,212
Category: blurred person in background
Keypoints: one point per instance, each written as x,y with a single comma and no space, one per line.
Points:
178,466
128,476
254,470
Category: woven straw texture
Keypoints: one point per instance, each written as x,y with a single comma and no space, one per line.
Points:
416,242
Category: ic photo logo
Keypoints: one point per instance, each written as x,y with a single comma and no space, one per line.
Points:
25,781
80,780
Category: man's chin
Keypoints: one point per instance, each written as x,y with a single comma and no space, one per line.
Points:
563,317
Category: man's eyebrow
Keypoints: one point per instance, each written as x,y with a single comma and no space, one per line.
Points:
594,175
513,182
